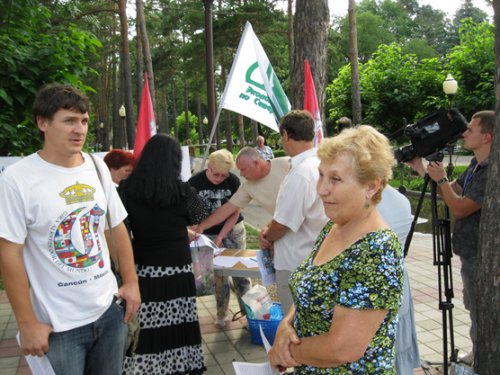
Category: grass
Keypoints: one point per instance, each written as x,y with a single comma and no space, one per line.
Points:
252,237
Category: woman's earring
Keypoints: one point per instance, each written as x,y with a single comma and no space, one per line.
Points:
367,203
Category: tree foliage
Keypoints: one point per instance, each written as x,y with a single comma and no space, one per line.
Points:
35,52
472,63
54,41
391,83
396,85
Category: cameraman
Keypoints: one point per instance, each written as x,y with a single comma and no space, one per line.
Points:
464,197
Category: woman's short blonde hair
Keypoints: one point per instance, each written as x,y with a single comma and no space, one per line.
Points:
221,159
372,154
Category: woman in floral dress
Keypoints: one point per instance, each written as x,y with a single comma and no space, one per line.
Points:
348,290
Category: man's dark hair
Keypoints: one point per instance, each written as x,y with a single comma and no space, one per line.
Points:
486,121
298,124
54,96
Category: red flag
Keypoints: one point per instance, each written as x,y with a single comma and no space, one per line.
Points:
311,103
146,125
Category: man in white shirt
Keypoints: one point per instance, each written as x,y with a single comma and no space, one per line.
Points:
299,215
54,256
396,210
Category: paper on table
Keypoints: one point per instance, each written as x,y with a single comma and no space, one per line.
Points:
249,262
243,368
38,365
228,261
203,240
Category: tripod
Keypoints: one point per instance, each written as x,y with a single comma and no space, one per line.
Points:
441,244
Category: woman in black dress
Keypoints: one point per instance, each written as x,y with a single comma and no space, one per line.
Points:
160,207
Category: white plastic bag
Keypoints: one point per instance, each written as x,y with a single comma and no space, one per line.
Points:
258,302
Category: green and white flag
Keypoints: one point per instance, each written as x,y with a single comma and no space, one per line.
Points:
252,88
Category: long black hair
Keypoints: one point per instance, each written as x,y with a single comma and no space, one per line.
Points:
156,177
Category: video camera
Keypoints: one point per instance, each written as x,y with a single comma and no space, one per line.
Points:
432,134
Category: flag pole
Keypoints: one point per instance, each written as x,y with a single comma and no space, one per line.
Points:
212,132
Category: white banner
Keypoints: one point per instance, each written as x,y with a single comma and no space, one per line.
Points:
252,88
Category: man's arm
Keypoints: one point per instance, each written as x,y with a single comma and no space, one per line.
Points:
459,206
34,335
451,192
228,226
121,252
271,232
217,217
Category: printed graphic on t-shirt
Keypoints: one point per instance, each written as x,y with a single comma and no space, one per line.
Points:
75,236
214,198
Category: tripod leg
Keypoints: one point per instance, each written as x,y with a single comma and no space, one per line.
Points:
415,216
442,259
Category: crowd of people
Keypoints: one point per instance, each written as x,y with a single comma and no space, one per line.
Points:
86,244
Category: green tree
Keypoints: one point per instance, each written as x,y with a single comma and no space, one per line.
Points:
472,63
372,32
431,26
35,52
391,84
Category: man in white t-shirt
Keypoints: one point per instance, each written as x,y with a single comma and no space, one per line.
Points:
54,255
299,215
396,210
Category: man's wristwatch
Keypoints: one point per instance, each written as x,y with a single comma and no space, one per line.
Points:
442,181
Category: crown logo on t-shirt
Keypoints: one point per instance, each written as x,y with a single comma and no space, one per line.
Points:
78,193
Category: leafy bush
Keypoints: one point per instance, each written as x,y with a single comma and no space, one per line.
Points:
403,175
36,52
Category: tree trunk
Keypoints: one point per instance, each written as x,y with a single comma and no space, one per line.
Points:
118,131
186,110
167,120
487,351
311,25
174,113
139,66
198,113
102,109
145,50
227,115
290,41
241,130
127,78
162,126
229,131
209,58
255,131
353,57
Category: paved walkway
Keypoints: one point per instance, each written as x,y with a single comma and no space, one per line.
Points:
234,344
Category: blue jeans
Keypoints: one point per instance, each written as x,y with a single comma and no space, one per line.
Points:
468,272
95,348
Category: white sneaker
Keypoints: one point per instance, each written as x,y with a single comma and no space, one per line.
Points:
468,358
220,323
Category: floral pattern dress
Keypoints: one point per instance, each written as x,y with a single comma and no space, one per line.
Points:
367,275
